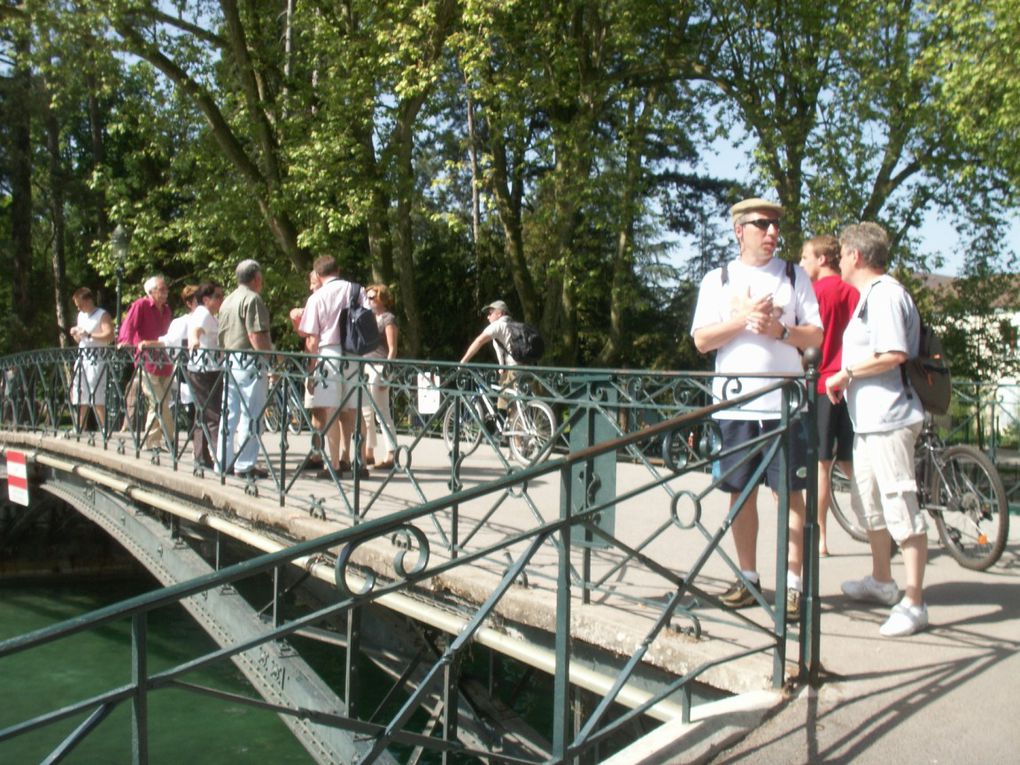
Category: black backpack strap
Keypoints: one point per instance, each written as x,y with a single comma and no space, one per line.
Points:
791,274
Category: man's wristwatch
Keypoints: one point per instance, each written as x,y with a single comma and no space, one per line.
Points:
849,374
785,333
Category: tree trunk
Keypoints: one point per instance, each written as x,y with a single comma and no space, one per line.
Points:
21,182
623,259
57,255
507,189
403,148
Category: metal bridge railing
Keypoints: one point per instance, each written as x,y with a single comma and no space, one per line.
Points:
568,551
573,548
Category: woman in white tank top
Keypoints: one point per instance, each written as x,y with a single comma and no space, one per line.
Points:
93,331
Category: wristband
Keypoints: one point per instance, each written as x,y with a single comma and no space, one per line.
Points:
849,374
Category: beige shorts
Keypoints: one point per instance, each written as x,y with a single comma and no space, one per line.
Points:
333,380
884,490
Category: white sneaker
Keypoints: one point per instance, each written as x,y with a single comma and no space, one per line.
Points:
905,619
870,589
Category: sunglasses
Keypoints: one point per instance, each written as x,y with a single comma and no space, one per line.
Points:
370,295
762,224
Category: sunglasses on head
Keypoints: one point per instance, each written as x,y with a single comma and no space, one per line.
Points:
762,224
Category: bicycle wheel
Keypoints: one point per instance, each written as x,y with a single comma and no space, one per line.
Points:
971,513
470,425
530,431
839,503
271,417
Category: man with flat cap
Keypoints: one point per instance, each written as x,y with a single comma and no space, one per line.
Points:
757,313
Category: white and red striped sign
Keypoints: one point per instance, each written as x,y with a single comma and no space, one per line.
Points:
17,478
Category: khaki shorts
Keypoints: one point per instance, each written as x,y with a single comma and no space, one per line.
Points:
884,491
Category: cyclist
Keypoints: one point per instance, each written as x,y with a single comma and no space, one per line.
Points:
883,332
498,333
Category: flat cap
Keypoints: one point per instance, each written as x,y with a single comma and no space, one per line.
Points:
499,305
756,203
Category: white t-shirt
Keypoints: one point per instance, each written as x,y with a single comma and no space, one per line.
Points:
177,333
749,352
879,403
499,332
89,322
208,341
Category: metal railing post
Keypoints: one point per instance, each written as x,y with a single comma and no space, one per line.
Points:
811,613
140,681
561,679
351,676
782,539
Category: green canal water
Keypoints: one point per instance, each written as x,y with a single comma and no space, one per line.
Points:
184,727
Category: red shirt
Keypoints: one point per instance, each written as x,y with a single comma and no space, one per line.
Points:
144,321
836,303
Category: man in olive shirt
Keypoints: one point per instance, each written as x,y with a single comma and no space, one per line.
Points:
244,326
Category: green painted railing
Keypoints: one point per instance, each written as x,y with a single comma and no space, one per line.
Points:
599,416
659,422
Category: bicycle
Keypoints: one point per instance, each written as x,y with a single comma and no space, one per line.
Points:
959,487
528,425
272,415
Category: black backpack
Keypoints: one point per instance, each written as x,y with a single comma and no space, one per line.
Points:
927,373
359,332
525,345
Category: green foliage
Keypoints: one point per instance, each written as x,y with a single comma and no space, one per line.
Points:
217,131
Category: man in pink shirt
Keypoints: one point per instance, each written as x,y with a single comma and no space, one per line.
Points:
836,302
147,319
330,383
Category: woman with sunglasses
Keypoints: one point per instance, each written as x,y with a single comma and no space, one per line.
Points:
381,301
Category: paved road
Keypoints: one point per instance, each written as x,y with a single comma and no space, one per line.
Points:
948,695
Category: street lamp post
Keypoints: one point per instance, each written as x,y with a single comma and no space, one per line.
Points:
119,243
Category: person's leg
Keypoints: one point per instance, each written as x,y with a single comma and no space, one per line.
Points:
156,390
795,557
345,424
368,430
881,555
824,466
894,470
253,400
228,425
866,500
381,395
745,532
321,416
915,556
734,472
206,393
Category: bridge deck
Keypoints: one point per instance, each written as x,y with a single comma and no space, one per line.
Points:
619,613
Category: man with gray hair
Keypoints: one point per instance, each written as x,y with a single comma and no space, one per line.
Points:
757,312
884,331
243,328
145,322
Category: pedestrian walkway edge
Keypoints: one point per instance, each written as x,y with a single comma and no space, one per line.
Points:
713,727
